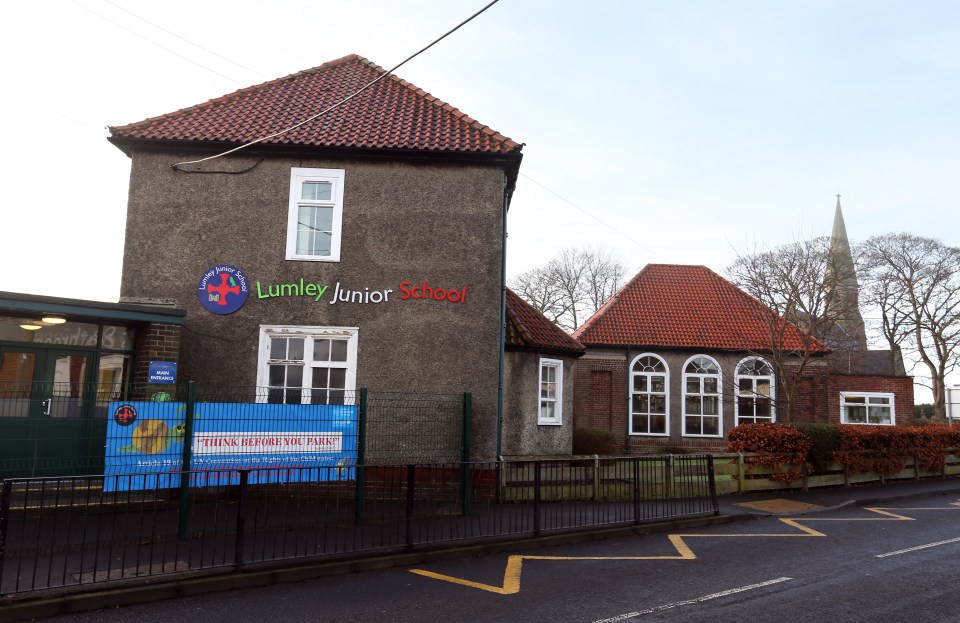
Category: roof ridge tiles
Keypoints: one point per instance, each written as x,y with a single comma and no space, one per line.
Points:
251,113
686,306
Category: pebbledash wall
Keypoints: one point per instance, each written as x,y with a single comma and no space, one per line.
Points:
407,228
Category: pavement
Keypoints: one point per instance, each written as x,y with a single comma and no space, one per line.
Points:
739,507
795,502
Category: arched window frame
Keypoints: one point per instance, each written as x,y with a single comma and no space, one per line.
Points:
703,393
772,378
635,392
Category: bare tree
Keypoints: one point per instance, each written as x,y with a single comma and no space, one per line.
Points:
801,302
915,283
571,286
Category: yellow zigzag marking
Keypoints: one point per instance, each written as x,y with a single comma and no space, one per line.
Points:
511,575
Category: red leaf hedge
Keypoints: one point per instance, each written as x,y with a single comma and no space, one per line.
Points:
883,449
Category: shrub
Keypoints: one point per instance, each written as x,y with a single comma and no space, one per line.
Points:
887,449
594,441
777,446
824,441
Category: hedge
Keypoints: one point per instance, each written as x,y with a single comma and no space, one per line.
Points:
883,449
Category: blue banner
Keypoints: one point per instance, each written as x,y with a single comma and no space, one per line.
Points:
279,443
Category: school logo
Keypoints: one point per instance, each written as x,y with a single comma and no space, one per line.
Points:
125,415
223,289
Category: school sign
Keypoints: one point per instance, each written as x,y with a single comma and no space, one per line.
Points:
278,443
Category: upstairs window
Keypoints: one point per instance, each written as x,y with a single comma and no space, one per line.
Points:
315,215
551,391
701,398
755,392
864,408
648,396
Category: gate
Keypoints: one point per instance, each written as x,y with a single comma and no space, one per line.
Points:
49,423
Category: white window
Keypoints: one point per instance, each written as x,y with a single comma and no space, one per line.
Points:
307,365
648,396
867,408
315,215
756,392
551,392
701,398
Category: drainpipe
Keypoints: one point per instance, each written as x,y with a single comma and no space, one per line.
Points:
503,316
626,429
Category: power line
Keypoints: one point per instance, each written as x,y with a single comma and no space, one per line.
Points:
596,218
182,38
346,99
53,110
149,40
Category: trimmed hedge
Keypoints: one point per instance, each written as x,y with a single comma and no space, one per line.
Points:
777,446
883,449
595,441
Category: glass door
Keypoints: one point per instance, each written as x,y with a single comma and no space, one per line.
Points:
46,403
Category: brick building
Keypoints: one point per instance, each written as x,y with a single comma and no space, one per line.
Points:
680,355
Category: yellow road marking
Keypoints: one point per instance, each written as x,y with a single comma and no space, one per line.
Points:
511,574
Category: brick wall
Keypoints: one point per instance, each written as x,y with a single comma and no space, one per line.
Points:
600,394
900,386
600,401
154,342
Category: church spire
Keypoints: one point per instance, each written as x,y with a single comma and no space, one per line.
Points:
848,331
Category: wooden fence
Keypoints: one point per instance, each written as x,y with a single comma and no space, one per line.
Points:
735,474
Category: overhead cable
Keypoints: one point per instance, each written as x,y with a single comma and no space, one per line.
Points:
176,166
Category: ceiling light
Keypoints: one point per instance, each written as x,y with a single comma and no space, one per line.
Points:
54,320
29,326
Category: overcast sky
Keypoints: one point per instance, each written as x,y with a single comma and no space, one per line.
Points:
678,132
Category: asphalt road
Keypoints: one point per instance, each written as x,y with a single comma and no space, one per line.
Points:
899,564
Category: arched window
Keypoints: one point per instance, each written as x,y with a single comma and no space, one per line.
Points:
756,392
701,398
648,396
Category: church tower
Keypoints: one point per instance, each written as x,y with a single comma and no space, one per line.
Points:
847,331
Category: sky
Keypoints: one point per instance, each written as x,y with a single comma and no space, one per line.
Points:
673,132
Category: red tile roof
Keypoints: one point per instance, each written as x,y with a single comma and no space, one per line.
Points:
676,306
528,329
393,114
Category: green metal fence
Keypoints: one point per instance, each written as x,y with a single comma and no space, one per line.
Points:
49,430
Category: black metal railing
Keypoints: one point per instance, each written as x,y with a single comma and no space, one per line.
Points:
70,532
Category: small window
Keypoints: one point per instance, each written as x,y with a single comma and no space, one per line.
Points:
701,398
307,365
648,396
756,392
551,392
315,215
867,408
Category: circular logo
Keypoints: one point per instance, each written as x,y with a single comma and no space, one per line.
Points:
125,415
223,289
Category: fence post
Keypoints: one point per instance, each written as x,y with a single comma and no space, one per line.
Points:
361,476
806,475
4,523
636,490
596,477
668,478
466,471
536,498
711,474
411,483
241,521
186,460
741,473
